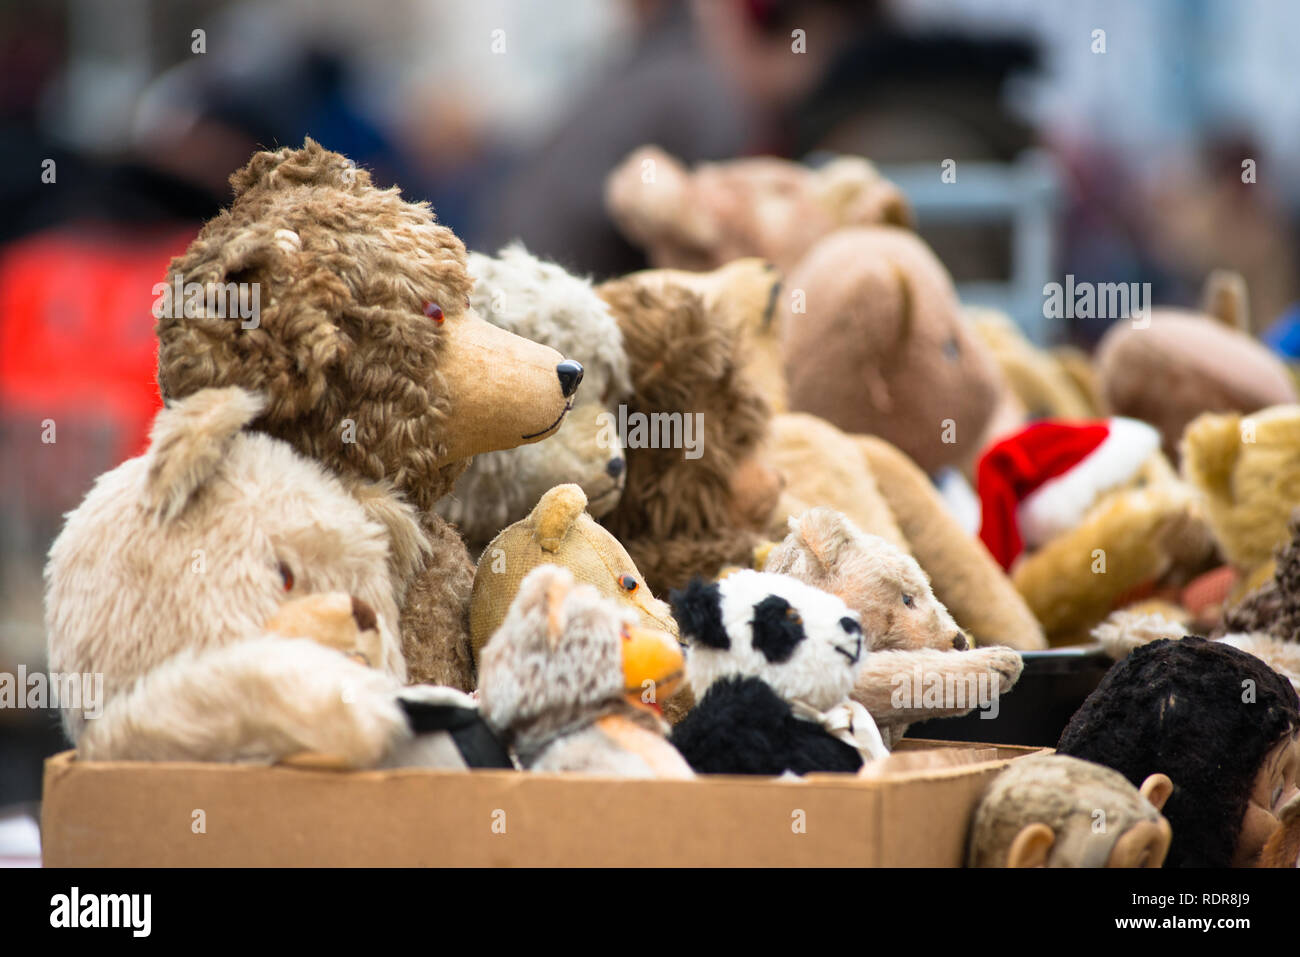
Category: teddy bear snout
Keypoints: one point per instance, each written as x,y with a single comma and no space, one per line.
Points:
570,373
850,625
363,615
614,467
959,642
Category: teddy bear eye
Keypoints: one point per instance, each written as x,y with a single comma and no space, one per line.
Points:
951,349
628,583
909,601
433,311
286,576
793,616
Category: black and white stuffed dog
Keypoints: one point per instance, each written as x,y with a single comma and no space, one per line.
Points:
771,661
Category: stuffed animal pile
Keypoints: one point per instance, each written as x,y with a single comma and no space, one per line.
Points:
739,513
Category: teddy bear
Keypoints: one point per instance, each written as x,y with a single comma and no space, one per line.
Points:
1088,516
559,531
1273,609
758,206
875,343
371,359
238,602
1040,383
1171,365
1052,810
1246,472
906,627
561,681
772,661
698,495
1219,722
803,462
541,302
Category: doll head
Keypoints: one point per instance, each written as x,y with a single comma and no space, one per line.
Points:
1219,722
1052,810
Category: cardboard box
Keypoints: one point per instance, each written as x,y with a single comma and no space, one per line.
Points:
212,815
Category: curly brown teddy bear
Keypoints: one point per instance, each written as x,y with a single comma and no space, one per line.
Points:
698,496
371,359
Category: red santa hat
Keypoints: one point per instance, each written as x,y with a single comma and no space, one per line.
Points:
1041,481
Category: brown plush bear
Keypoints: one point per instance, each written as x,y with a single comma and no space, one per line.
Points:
865,478
876,344
1176,364
758,206
371,360
698,495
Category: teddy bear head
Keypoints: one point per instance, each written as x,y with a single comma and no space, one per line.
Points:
211,537
348,308
693,427
879,581
1247,470
876,343
759,206
1172,365
565,651
560,532
541,302
743,295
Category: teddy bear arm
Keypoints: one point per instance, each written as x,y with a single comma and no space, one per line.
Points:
883,675
965,577
260,700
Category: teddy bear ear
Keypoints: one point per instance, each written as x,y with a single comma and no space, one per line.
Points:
698,610
650,198
189,440
1225,299
541,598
555,513
312,165
822,533
855,193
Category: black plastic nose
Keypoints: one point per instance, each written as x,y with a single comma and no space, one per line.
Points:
960,643
570,374
614,467
850,626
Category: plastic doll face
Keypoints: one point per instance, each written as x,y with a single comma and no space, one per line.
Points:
1275,784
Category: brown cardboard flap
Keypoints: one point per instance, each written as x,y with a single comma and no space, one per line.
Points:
215,815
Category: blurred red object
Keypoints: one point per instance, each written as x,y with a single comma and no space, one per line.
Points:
77,327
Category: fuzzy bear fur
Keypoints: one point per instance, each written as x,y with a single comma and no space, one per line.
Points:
826,550
680,517
1247,471
1273,608
552,684
166,576
540,301
356,375
878,345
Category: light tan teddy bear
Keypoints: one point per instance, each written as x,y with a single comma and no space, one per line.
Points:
236,599
906,627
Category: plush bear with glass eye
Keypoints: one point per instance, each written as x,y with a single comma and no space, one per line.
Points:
372,361
558,531
239,605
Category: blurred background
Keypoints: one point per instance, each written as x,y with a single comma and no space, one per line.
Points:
120,121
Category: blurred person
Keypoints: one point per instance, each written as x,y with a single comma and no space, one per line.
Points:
667,91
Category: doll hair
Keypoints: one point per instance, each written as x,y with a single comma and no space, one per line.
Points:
1202,712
